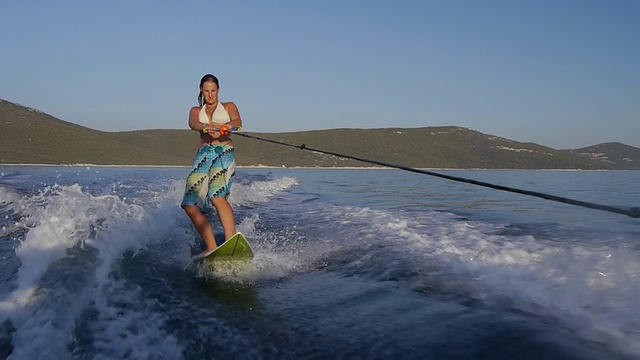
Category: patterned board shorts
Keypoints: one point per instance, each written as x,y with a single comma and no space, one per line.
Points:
211,176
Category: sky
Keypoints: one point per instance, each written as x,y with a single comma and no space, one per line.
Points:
564,74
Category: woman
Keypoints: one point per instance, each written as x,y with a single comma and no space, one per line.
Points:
213,171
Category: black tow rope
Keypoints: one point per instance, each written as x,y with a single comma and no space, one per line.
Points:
633,212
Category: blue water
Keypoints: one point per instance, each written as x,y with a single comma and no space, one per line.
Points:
369,264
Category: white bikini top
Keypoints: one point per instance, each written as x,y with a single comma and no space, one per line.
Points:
219,116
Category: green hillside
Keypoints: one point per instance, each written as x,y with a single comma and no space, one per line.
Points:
432,147
614,154
28,136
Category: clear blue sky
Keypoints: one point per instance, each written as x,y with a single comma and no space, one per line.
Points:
565,74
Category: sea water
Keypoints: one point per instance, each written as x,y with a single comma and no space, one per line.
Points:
349,264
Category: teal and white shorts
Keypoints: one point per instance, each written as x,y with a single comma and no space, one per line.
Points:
211,176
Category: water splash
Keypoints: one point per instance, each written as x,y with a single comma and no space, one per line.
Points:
66,257
589,288
259,191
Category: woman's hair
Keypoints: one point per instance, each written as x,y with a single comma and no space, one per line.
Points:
204,79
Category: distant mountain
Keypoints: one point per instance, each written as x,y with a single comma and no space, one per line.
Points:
430,147
29,136
618,155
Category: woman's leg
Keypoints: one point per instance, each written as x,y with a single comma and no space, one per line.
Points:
202,225
225,213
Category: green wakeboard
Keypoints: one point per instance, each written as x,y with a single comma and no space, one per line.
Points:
236,248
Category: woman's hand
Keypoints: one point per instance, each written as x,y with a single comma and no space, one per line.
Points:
225,130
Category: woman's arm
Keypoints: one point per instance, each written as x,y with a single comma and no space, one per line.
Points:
234,115
194,120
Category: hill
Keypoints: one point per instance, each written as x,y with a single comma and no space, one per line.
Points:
29,136
615,154
431,147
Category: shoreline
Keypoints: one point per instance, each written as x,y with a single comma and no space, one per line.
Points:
265,167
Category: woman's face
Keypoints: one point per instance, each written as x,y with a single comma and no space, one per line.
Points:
210,92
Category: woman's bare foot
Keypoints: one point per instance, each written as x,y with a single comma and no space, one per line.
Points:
204,254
